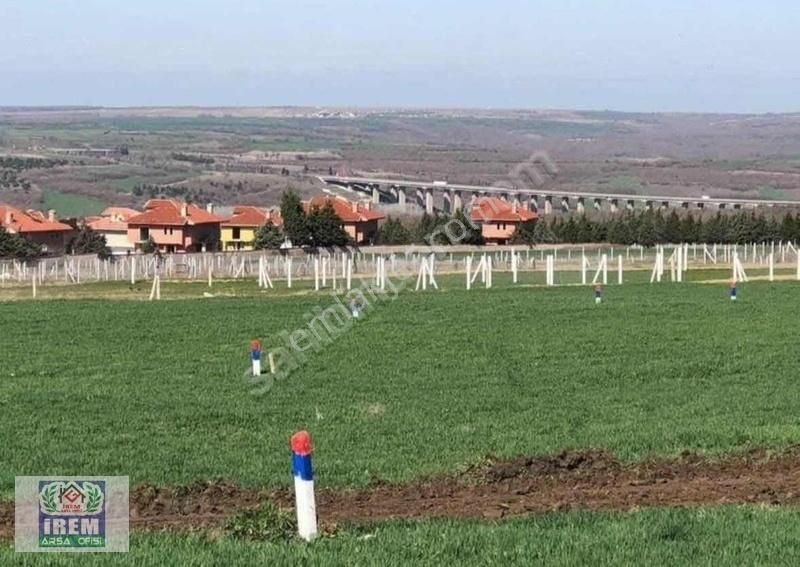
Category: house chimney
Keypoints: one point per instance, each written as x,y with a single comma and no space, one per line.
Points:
9,218
184,210
51,215
355,206
210,208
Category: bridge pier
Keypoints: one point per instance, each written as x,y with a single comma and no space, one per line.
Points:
630,204
458,202
548,205
598,204
429,201
401,196
580,206
613,205
376,194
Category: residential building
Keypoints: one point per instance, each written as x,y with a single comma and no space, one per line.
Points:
174,226
498,218
359,220
45,230
239,231
113,224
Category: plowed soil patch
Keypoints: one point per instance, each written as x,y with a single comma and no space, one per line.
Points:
574,479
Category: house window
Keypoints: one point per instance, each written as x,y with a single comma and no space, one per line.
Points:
144,233
237,233
498,226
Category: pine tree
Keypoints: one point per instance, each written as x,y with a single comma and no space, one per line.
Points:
325,227
268,237
393,232
87,241
295,222
469,233
17,246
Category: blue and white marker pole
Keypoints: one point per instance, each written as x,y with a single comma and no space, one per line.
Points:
733,290
598,294
255,356
305,503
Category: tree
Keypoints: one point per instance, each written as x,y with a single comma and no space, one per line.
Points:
543,234
87,241
469,233
295,222
325,227
268,237
393,232
17,246
525,233
148,246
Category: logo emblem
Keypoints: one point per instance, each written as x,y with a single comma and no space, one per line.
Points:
72,514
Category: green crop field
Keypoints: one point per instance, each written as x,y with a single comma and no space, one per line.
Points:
424,384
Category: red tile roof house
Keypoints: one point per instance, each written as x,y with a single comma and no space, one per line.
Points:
175,227
113,224
359,220
46,231
499,219
239,231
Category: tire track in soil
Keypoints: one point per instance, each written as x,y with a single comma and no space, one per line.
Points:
502,488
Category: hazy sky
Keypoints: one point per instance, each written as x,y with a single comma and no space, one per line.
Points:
647,55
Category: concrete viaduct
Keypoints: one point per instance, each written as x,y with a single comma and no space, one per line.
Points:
454,196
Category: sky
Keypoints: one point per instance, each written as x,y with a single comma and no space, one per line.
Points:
628,55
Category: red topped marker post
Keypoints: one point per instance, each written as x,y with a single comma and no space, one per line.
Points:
255,356
305,503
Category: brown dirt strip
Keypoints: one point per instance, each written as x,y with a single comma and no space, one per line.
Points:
501,488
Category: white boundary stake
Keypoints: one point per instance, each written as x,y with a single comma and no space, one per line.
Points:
349,272
488,268
602,269
619,269
33,283
468,266
739,274
316,273
514,261
425,275
263,274
798,266
772,266
584,267
658,267
133,269
288,266
551,270
210,275
155,291
303,473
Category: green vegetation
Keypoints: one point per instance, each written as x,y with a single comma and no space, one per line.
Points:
655,370
268,237
653,227
772,192
740,535
87,241
623,184
71,204
16,246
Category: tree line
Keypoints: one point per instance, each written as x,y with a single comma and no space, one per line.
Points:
645,228
320,227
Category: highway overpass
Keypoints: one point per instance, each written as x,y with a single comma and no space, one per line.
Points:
454,196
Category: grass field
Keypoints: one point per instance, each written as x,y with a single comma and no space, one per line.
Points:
70,204
708,536
424,384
